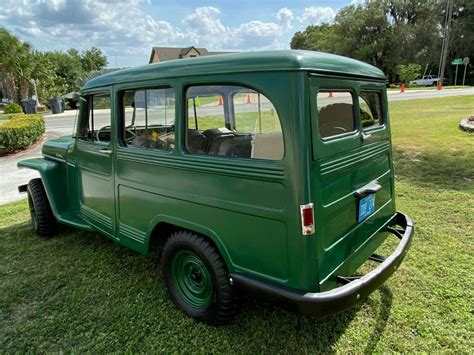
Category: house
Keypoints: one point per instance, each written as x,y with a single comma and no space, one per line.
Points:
161,54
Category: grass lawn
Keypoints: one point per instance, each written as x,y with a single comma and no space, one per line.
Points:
81,292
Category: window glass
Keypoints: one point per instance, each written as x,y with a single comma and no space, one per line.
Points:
149,117
335,113
96,127
370,110
232,121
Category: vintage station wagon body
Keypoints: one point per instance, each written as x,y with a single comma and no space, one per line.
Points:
267,156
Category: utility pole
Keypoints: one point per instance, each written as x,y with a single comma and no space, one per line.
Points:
445,45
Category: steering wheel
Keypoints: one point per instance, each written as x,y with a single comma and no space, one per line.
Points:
99,131
329,130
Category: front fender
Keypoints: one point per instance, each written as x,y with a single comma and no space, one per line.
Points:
54,177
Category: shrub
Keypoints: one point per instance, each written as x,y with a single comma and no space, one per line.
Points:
408,72
12,108
21,131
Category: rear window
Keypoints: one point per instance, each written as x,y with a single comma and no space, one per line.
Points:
335,113
370,110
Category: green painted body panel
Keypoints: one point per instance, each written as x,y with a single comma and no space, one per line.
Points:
249,208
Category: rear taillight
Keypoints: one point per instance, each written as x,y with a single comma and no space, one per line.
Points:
307,219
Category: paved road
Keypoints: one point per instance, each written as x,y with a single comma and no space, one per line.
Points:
62,124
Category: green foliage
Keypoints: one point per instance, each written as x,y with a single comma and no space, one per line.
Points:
409,72
392,33
56,73
21,131
12,107
50,84
93,59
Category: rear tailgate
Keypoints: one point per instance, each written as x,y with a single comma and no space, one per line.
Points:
352,161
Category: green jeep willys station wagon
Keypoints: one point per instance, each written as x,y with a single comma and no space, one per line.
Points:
268,172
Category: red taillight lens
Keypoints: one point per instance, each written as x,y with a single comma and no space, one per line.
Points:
307,219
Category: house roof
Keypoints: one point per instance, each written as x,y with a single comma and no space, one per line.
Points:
264,61
170,53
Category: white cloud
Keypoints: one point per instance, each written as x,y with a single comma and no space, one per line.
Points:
125,28
315,15
285,15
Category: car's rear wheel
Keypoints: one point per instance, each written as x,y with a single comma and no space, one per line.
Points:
42,217
197,279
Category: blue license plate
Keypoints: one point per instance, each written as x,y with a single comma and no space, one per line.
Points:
366,207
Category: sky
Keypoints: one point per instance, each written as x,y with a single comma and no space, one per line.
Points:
126,30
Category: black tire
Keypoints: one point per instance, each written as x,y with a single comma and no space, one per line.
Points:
42,217
220,306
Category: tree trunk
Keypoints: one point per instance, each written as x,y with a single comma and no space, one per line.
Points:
9,89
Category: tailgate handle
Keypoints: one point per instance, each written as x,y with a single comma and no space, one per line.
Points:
370,188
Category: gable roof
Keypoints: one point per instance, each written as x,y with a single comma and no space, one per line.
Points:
264,61
170,53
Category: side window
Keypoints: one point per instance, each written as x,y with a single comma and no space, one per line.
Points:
149,118
335,113
370,110
232,121
96,127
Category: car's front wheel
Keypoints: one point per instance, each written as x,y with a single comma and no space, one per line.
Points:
42,217
197,279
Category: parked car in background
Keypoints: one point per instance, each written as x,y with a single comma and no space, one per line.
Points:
427,80
269,172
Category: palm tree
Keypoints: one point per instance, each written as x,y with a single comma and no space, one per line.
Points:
15,65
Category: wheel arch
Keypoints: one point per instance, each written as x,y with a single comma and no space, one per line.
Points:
162,226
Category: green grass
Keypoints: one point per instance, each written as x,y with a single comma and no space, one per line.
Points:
82,292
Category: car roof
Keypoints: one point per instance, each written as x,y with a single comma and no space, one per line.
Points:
262,61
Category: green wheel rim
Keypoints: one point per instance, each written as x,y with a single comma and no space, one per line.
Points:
191,279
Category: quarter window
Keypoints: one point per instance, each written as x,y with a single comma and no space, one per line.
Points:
370,110
149,118
96,128
335,113
232,121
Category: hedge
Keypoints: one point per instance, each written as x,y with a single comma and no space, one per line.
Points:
21,131
12,108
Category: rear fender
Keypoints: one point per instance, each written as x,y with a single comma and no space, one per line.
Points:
54,177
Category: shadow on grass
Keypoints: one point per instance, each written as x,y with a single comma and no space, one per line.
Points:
444,170
102,288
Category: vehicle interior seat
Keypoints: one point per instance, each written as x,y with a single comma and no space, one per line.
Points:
237,146
196,141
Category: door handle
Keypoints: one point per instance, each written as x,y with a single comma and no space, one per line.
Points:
370,188
105,151
364,136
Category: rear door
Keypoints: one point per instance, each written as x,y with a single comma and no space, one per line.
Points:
352,179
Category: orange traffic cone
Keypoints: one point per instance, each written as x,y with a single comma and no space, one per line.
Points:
330,94
248,100
220,100
440,85
402,89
